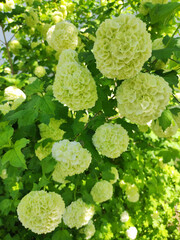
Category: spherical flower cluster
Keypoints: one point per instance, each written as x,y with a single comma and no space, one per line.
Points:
132,193
31,18
177,119
14,46
9,5
124,216
67,56
132,233
89,230
4,174
74,85
116,175
102,191
72,157
122,46
58,174
52,129
41,212
63,35
40,71
168,132
111,140
143,98
57,17
144,10
78,214
7,70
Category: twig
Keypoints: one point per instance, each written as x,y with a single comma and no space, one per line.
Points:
176,98
174,61
6,43
14,34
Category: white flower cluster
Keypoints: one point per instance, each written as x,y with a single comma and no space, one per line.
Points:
74,85
78,214
168,132
31,18
9,5
124,216
132,233
102,191
71,157
40,71
41,212
89,230
143,10
122,46
63,35
14,46
132,193
143,98
111,140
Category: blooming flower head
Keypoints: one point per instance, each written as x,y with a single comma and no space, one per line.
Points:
78,214
89,230
63,35
111,140
122,46
132,233
102,191
132,193
41,212
40,71
74,85
124,216
9,5
143,98
71,156
31,18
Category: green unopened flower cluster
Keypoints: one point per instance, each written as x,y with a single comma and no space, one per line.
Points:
41,212
63,35
31,18
143,98
40,71
74,86
168,132
78,214
72,157
132,193
144,10
102,191
122,46
52,130
111,140
14,46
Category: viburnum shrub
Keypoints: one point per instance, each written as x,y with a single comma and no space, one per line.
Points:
89,120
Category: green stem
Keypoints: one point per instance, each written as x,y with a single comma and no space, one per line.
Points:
172,36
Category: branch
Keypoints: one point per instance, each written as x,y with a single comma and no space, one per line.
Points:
6,43
176,98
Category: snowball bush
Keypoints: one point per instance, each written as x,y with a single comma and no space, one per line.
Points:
40,71
78,214
132,193
124,216
72,157
14,46
102,191
111,140
31,18
131,233
74,85
116,175
41,212
9,5
63,35
169,131
122,46
143,98
89,230
52,129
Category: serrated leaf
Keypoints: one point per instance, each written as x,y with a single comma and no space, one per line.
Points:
6,133
171,78
175,110
36,86
62,235
5,206
48,164
15,156
165,119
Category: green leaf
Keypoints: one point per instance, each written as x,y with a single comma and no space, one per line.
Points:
163,11
36,86
171,78
62,235
48,164
15,156
5,206
6,133
165,119
175,110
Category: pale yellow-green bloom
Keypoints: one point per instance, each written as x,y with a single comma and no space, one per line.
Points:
102,191
122,46
116,175
41,212
43,151
132,193
9,5
73,158
4,174
31,18
7,70
40,71
74,85
63,35
78,214
14,46
1,7
58,174
124,216
89,230
111,140
168,132
143,98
